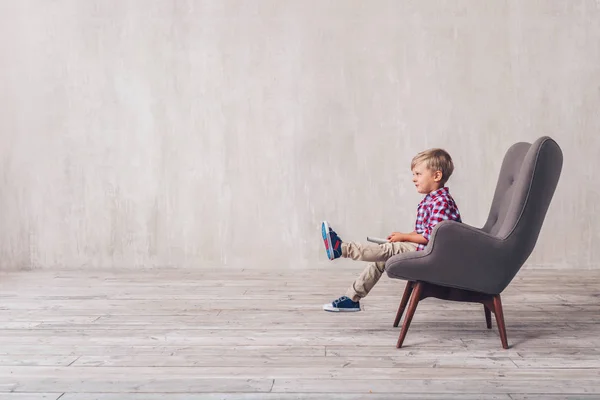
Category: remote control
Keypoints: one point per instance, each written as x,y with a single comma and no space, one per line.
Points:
377,240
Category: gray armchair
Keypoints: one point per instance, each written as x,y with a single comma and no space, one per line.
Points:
463,263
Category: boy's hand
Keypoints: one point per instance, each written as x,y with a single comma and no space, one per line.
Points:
396,237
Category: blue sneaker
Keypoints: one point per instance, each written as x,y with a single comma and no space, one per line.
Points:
333,243
343,304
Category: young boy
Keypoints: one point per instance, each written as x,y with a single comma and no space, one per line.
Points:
431,170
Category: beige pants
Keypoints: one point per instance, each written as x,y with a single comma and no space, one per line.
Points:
379,253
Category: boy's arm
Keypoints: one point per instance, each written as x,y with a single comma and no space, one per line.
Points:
412,237
440,211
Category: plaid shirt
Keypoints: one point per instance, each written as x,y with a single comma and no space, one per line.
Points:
436,207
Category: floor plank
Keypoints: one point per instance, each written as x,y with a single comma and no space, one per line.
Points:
284,396
201,360
31,396
466,386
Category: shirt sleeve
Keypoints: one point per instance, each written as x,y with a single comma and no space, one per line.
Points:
440,211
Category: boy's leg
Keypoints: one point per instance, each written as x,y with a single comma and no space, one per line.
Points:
371,274
375,252
365,282
336,248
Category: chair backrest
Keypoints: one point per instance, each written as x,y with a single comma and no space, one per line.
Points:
527,181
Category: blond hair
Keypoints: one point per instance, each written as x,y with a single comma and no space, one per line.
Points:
435,160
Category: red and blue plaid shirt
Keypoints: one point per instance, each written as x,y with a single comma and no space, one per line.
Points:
436,207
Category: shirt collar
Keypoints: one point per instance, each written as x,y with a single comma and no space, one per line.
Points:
439,192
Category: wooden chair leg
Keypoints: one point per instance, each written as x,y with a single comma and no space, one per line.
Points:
500,320
488,317
414,301
407,292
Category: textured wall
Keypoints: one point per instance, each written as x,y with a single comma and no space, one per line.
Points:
212,133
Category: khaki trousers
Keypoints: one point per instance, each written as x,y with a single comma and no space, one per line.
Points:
378,254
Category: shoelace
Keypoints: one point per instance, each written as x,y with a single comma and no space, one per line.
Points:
338,301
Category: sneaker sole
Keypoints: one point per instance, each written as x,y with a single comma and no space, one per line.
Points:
327,239
328,307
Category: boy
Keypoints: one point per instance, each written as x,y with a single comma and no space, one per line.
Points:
431,170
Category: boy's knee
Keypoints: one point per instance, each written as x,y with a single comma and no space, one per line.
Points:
380,266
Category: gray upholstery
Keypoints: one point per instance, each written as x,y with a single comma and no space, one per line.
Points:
486,260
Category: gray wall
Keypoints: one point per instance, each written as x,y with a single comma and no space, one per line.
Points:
220,133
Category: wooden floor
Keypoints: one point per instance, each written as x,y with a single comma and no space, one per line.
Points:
247,334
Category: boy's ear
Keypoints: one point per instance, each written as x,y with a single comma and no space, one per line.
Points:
437,176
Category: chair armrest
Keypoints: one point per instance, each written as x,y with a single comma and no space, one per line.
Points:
458,255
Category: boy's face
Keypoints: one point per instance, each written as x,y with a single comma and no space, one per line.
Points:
426,180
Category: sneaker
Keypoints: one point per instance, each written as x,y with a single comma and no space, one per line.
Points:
333,243
343,304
